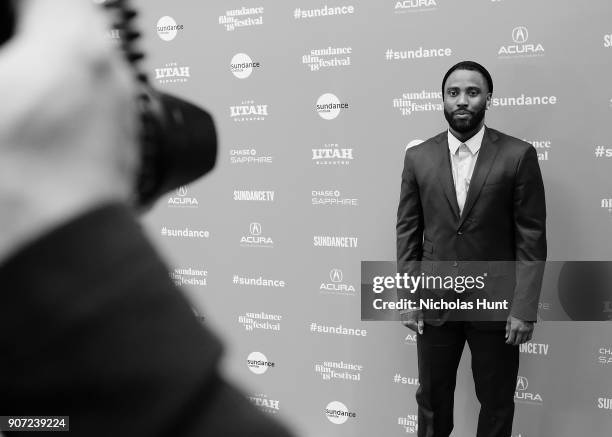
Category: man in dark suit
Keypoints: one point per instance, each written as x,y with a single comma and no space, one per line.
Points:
471,194
91,326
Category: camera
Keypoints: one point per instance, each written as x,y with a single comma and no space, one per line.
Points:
178,141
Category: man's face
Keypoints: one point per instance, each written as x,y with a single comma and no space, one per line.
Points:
466,98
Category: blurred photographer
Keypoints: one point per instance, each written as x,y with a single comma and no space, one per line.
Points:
91,325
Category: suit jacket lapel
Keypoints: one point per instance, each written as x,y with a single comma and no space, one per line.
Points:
486,157
445,173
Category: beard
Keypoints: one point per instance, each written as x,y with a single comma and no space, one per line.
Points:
464,125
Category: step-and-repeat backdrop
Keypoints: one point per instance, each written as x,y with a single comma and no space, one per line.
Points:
268,247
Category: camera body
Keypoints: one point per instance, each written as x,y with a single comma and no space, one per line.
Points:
178,141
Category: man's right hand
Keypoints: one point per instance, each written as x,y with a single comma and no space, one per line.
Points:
414,321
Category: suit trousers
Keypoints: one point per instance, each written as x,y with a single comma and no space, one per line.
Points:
494,368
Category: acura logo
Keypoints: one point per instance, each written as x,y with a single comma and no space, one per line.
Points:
335,275
520,35
182,191
522,383
255,229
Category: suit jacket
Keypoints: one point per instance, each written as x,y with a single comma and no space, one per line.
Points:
92,327
503,219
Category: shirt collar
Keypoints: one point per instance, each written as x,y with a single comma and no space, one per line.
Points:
473,143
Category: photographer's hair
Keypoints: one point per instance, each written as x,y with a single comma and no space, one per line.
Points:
472,66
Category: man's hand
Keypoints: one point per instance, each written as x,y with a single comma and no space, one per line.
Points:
414,321
518,331
68,119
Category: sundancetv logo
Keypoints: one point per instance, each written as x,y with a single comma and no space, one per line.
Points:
337,413
332,154
172,72
329,106
248,111
604,403
418,101
404,6
258,363
265,404
522,47
242,65
254,195
336,284
243,17
167,28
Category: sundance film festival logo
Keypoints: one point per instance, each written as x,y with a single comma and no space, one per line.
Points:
265,404
335,284
420,101
524,395
332,154
189,276
167,28
331,370
521,47
329,106
258,363
543,148
248,111
243,17
331,198
337,413
409,423
254,195
242,65
244,155
181,199
330,57
260,321
317,328
172,73
256,238
401,7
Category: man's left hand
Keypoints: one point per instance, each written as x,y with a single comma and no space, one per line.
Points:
518,331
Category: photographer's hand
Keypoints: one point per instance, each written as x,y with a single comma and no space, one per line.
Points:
67,119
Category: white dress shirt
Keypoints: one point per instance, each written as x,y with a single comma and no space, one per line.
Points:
463,158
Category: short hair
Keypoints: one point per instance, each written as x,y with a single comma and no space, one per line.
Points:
472,66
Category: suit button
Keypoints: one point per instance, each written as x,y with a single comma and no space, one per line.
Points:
455,264
459,232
